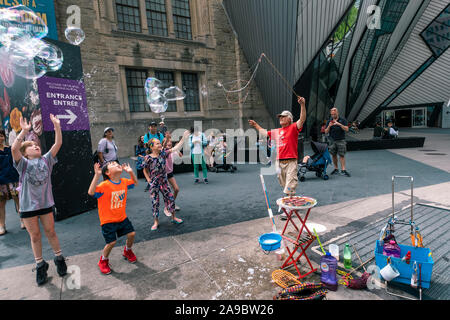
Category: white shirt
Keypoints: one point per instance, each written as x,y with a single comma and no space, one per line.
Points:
197,146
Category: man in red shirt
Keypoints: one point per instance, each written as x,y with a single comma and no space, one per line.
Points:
286,139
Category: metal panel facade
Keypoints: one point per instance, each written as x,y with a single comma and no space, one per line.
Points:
431,86
268,26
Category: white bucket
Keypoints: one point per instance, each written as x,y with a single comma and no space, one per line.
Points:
389,272
334,250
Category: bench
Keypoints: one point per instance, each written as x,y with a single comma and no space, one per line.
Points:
397,143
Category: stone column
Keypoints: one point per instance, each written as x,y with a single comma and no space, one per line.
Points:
169,15
143,12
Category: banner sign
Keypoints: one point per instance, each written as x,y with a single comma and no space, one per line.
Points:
45,9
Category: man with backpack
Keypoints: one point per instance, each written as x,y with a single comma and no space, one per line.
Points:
153,133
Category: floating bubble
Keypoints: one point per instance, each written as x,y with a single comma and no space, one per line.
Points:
75,35
159,106
151,83
174,93
25,49
18,22
50,57
157,102
28,69
6,71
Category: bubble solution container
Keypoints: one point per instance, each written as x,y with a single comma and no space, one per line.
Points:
328,265
391,249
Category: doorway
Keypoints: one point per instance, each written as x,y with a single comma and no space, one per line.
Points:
403,118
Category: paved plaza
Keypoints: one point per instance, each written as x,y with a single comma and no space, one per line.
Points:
215,253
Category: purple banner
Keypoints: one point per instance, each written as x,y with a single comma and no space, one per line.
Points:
66,99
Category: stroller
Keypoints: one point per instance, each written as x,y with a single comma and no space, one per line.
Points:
221,150
317,163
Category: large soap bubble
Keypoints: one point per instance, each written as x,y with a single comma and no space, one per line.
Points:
49,57
75,35
151,83
21,31
18,22
156,100
174,93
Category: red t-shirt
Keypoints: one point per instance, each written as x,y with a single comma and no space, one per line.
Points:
286,140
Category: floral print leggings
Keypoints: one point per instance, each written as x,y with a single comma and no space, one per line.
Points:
155,187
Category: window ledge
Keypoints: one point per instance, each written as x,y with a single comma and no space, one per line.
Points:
150,37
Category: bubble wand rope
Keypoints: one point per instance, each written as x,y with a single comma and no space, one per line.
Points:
281,76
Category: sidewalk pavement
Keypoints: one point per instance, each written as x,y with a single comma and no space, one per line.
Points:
215,254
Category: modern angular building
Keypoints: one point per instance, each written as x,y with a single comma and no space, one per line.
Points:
373,59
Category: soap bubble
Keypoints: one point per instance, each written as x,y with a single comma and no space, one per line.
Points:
75,35
28,69
50,57
174,93
18,22
21,31
159,105
33,58
151,83
156,100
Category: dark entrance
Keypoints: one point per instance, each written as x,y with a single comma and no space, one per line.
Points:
403,118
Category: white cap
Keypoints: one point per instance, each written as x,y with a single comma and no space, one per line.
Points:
286,113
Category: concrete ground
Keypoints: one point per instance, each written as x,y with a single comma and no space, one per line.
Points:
215,254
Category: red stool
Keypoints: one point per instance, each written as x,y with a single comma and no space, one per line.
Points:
291,207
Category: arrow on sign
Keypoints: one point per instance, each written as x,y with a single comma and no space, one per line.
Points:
71,116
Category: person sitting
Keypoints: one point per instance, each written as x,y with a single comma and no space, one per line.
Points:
391,132
377,131
354,128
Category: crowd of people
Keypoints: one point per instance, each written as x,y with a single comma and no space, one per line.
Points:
25,177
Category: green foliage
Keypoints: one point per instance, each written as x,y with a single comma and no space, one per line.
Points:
346,25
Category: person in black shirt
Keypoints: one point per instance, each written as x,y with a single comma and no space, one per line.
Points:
377,131
336,128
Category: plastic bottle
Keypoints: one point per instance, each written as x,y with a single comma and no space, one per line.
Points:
328,265
347,257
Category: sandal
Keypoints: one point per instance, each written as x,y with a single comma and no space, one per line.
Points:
2,231
177,221
154,228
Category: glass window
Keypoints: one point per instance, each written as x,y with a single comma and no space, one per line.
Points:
182,19
128,15
372,48
156,17
135,87
437,34
168,79
190,88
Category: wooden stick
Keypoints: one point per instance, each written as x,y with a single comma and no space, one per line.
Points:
354,269
359,258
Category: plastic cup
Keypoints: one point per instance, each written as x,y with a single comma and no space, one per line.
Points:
334,250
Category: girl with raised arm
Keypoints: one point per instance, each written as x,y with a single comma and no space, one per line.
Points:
36,196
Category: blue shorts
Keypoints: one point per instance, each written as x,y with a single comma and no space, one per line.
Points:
112,231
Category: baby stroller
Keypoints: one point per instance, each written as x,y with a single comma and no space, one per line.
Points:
220,149
317,163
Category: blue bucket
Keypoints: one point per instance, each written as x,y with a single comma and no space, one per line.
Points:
270,241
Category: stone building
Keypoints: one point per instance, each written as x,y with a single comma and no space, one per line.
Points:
188,43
